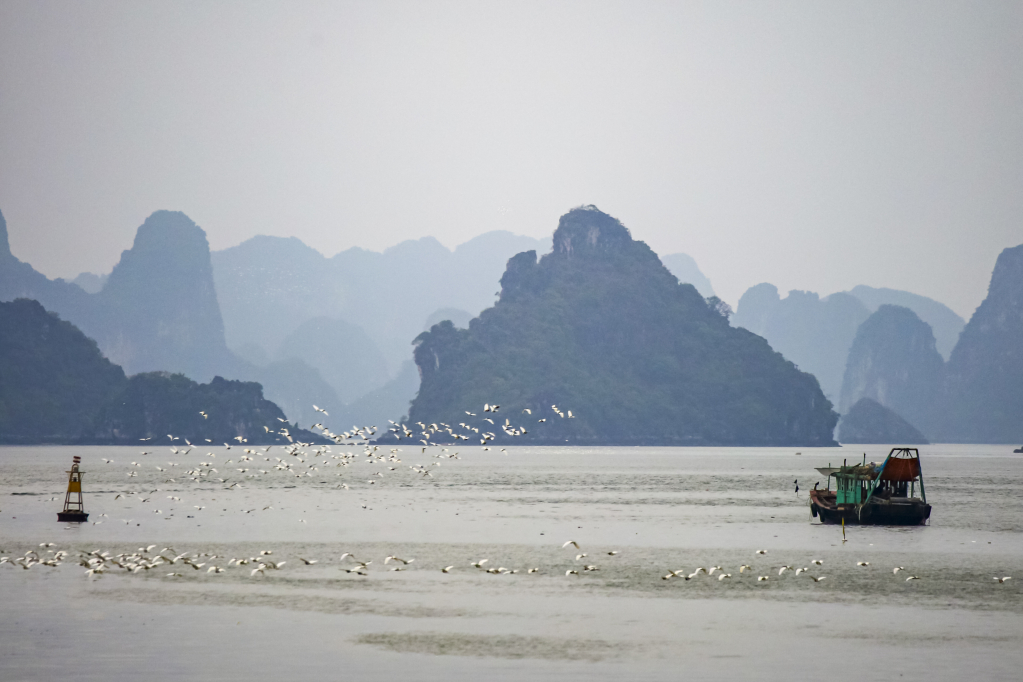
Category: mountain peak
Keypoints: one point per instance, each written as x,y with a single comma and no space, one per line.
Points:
983,398
169,231
167,315
1007,278
587,229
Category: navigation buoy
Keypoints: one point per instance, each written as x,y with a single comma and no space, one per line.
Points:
74,510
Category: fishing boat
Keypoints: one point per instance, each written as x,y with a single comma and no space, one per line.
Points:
872,494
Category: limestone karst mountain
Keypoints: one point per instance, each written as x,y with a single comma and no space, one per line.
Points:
600,327
982,401
459,318
894,361
870,422
154,404
945,323
159,307
976,397
296,387
755,308
89,282
390,402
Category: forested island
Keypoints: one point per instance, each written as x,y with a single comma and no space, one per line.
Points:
601,328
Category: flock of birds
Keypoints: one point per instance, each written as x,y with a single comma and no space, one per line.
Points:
468,431
148,559
308,460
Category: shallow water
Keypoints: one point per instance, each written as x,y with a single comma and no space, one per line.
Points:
661,509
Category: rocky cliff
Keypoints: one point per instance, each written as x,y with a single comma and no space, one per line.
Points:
894,361
159,309
983,397
600,327
944,322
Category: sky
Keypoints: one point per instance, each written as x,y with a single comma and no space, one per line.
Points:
814,145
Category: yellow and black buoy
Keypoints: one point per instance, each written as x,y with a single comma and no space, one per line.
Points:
74,510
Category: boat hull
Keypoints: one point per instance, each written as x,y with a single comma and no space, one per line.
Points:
877,512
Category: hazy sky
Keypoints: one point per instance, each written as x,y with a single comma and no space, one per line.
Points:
815,145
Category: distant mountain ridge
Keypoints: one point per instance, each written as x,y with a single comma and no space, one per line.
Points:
271,285
977,396
812,332
684,267
171,305
158,309
817,333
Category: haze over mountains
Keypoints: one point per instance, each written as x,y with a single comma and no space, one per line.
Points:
157,311
338,331
817,333
977,396
982,401
311,329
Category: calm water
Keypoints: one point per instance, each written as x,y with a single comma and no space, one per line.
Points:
660,509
